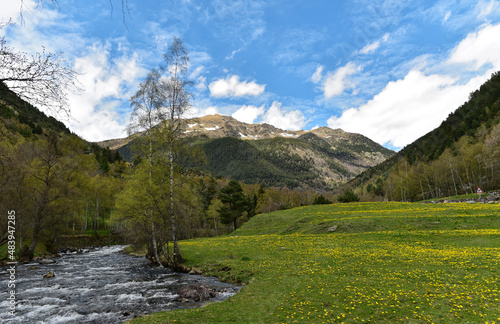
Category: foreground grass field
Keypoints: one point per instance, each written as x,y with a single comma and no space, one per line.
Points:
385,263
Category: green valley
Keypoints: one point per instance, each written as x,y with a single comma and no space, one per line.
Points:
385,262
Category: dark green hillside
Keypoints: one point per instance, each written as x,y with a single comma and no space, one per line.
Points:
481,110
21,117
58,184
451,145
267,162
30,120
308,160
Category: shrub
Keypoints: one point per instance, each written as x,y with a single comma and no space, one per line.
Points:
348,196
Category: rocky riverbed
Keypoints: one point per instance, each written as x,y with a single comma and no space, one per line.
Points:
102,286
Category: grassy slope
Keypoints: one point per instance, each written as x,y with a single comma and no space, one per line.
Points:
387,262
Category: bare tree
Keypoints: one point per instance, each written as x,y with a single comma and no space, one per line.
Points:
40,4
42,79
178,99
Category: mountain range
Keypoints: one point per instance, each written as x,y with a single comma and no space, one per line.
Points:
261,153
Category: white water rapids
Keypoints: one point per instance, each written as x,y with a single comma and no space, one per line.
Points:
101,286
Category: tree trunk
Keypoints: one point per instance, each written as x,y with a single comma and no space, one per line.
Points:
177,255
153,232
86,216
421,186
36,233
97,213
453,177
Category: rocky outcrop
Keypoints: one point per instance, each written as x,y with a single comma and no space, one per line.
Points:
49,275
333,229
196,293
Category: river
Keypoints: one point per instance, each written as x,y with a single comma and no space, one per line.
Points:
99,286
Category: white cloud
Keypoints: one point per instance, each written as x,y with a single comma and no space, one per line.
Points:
406,109
479,48
372,47
28,36
446,16
369,48
485,8
107,84
318,75
200,83
337,82
232,87
230,57
197,72
248,114
289,120
11,10
410,107
200,112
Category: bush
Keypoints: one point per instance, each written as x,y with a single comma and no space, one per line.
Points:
321,201
348,196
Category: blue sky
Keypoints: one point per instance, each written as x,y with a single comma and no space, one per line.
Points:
391,70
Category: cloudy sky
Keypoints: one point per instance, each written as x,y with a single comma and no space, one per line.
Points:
391,70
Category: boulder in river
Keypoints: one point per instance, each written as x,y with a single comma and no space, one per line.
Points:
49,275
46,261
196,292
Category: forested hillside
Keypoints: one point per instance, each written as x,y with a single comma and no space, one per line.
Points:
55,182
463,153
319,159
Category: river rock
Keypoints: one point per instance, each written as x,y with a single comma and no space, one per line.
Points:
196,292
46,261
333,228
49,275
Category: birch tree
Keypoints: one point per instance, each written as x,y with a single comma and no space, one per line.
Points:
158,107
148,105
178,102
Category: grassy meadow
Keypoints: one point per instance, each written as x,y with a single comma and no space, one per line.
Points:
385,263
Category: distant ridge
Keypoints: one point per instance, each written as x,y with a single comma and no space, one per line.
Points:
318,159
218,126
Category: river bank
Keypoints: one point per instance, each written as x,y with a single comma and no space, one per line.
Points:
103,285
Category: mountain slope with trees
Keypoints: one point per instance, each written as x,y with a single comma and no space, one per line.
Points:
463,153
54,181
261,153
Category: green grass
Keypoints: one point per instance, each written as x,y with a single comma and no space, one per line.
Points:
386,263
